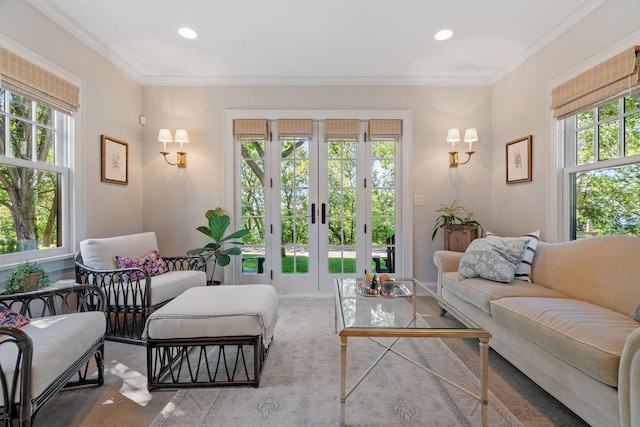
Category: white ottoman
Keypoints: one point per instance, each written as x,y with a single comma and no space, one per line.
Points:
203,337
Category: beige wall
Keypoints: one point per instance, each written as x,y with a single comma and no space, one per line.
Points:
521,107
111,103
172,201
175,200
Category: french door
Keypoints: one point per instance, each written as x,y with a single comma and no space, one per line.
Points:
317,209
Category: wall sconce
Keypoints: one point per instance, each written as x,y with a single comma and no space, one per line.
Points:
453,136
182,137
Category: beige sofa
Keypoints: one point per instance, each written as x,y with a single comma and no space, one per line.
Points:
569,330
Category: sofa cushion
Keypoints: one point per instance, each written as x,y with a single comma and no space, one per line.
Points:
481,292
492,258
100,253
523,269
584,335
58,342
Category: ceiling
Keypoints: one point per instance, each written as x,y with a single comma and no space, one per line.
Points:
294,42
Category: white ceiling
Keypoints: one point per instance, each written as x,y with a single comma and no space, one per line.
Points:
273,42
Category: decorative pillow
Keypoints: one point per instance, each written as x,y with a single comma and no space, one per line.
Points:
155,264
492,258
152,262
12,319
523,270
635,314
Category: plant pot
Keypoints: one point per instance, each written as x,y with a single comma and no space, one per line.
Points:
457,237
33,280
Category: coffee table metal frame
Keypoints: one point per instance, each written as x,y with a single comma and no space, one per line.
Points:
409,331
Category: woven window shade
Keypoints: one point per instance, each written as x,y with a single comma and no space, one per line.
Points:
598,85
24,78
341,130
295,128
385,129
251,129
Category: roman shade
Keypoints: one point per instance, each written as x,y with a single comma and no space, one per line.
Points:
385,129
294,128
598,85
24,78
251,129
341,130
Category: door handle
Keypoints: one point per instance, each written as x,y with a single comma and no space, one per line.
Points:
324,213
313,213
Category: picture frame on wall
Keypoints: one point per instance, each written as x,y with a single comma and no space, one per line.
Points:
115,160
519,160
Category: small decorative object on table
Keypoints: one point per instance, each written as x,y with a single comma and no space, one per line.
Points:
397,290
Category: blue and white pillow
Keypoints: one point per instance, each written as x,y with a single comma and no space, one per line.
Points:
523,270
492,258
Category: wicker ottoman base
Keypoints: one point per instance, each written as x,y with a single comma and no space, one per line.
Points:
211,337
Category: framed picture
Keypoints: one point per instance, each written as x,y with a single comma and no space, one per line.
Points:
115,160
519,160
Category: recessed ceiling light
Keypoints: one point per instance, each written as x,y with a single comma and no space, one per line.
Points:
187,33
443,35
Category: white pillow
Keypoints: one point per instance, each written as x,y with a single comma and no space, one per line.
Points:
523,270
492,258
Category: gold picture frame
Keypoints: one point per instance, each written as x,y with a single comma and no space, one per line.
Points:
115,161
519,160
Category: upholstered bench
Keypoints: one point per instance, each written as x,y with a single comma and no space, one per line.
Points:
204,337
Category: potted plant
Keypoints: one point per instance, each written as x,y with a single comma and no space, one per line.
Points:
222,247
28,276
459,225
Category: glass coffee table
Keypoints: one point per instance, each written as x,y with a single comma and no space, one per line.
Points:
358,315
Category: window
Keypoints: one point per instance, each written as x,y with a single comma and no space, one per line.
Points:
34,174
602,169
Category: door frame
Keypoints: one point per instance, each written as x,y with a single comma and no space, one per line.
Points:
404,251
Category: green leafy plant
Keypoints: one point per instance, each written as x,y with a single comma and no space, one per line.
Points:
222,247
20,278
453,214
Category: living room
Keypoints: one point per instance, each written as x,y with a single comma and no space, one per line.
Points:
172,201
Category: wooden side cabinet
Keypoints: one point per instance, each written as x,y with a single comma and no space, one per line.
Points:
457,237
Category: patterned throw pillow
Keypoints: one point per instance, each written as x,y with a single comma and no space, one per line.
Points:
152,262
12,319
492,258
523,270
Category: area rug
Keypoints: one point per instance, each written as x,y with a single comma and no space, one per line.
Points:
300,384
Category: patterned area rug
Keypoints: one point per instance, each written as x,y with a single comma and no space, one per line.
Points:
300,384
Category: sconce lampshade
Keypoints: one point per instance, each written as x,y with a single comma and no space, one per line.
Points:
453,135
470,135
165,135
181,136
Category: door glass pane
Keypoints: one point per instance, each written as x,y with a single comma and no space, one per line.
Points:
342,206
253,206
294,206
383,205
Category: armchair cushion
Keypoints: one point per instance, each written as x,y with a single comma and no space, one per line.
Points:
101,253
57,341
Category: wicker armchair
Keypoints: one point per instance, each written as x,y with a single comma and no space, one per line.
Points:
132,293
60,348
